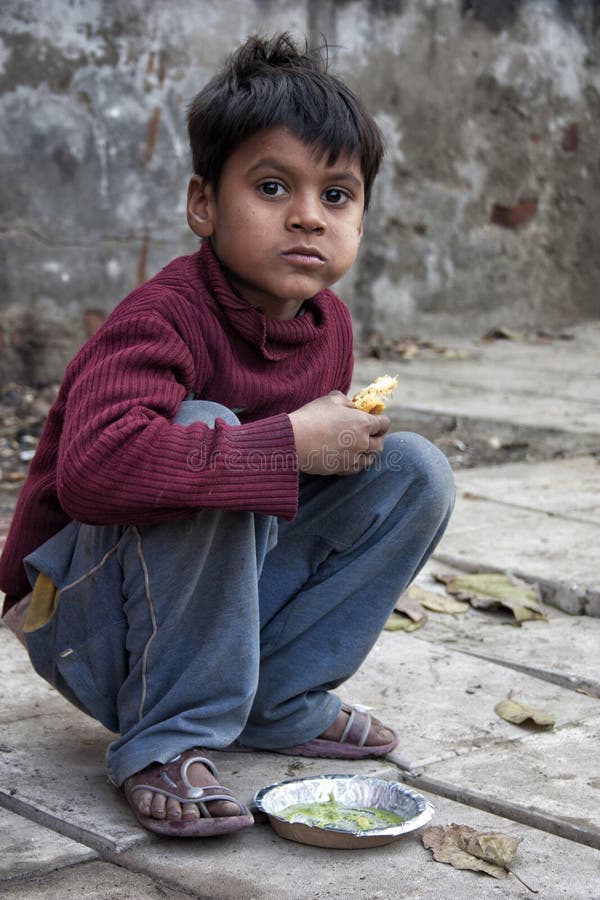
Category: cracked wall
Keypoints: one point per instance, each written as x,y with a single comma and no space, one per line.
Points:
485,212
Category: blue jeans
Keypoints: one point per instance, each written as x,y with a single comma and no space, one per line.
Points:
233,625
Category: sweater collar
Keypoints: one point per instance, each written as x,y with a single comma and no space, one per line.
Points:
275,339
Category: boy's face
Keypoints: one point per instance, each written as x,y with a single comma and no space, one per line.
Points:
283,224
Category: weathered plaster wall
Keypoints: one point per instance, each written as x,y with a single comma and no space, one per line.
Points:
486,212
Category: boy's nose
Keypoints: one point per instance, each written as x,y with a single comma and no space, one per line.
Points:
306,215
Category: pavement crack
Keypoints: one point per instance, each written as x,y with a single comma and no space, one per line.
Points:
470,495
586,834
99,842
129,866
564,679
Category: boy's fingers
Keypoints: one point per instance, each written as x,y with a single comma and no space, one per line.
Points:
378,425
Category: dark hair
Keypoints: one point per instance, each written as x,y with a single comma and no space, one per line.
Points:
270,83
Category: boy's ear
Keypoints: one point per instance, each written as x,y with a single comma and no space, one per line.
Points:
200,206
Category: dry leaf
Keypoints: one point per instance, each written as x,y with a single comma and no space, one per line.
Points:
400,622
449,845
14,476
408,604
503,333
520,713
407,349
494,846
491,589
453,353
407,615
465,848
436,602
581,690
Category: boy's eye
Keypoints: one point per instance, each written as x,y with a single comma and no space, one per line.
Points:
336,196
272,188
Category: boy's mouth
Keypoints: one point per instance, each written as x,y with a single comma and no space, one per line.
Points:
304,255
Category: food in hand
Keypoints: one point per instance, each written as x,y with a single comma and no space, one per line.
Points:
372,398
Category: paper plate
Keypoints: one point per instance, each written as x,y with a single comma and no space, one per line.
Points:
355,791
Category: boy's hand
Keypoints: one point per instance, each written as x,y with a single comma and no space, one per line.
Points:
334,438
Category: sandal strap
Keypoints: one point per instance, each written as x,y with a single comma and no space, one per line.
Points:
357,727
170,779
193,795
188,757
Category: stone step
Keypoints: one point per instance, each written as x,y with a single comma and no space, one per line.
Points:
538,521
545,385
441,702
29,850
52,764
258,864
91,881
546,780
469,440
489,403
563,650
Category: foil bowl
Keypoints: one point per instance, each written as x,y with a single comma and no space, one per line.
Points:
357,791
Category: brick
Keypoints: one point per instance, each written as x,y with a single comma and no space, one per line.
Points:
570,139
514,216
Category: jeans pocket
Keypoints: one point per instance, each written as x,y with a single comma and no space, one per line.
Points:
86,666
40,645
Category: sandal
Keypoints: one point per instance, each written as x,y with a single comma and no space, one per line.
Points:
351,744
171,780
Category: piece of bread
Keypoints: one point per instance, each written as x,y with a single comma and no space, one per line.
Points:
372,398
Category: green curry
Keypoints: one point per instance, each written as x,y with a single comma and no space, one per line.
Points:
331,814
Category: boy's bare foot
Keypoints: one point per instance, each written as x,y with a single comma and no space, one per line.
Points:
157,806
378,733
183,798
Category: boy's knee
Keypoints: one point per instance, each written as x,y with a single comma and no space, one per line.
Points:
408,452
205,411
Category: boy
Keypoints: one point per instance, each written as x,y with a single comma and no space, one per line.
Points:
203,576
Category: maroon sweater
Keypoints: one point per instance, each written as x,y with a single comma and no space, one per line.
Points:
108,453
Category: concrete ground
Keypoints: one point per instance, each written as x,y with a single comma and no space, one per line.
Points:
66,833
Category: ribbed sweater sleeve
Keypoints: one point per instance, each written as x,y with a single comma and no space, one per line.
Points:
121,460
